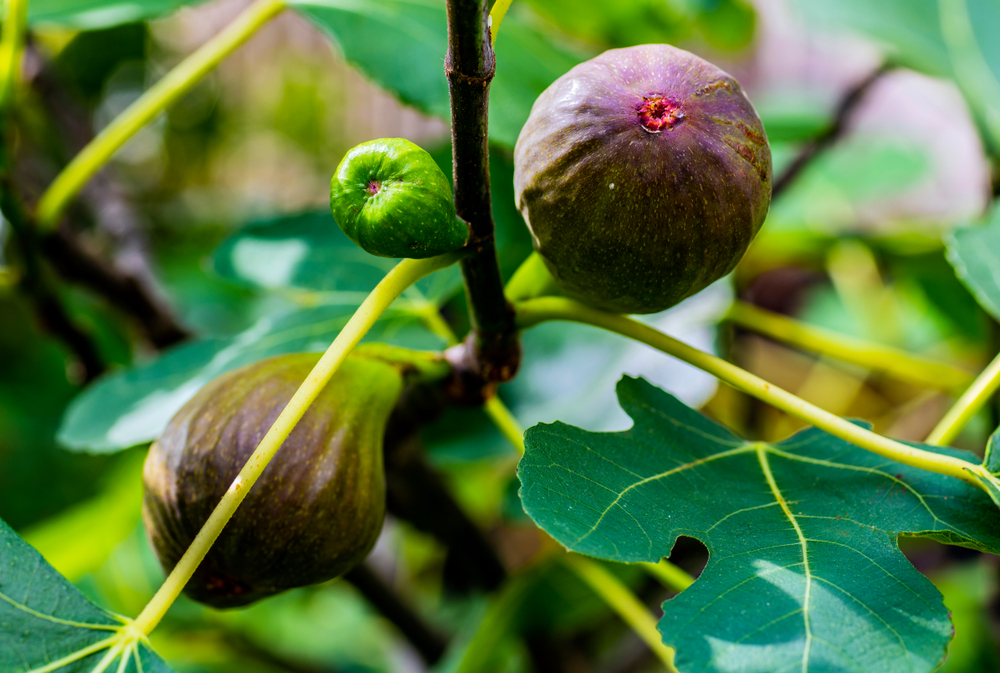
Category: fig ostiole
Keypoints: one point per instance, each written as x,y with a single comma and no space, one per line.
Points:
393,200
643,175
318,507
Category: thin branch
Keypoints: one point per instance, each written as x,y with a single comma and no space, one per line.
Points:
122,290
469,66
426,640
35,284
128,283
418,495
848,104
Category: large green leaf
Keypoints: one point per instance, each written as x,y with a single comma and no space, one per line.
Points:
401,45
133,406
309,252
94,14
975,254
804,571
45,620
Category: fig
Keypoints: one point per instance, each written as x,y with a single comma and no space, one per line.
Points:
393,200
318,507
643,175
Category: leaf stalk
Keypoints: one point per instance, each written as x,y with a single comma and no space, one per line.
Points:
535,311
978,394
159,97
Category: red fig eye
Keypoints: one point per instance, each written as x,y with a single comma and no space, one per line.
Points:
657,113
374,187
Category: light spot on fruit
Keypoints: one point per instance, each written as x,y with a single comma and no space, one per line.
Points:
657,113
611,186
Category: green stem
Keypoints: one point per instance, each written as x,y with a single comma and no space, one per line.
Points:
532,279
902,365
669,575
15,28
505,422
160,96
967,405
405,274
624,603
535,311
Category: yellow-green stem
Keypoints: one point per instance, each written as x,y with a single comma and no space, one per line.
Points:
396,281
160,96
901,365
535,311
669,575
15,28
624,603
505,422
499,11
967,405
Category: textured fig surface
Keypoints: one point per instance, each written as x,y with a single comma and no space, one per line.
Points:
391,199
318,507
643,175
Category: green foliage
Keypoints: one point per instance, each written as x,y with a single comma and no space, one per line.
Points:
95,14
975,254
954,38
804,567
309,254
400,44
133,406
48,624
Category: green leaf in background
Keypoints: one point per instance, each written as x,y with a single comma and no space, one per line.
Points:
804,568
975,254
47,624
953,38
309,252
133,406
94,14
401,45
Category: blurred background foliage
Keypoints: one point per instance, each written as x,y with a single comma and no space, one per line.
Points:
220,206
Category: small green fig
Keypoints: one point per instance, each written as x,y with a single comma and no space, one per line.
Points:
318,507
643,174
392,199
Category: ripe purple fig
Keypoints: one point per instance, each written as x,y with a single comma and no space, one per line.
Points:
643,174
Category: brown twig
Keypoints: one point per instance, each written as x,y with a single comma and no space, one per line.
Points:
848,104
417,494
125,291
426,640
127,283
469,66
36,285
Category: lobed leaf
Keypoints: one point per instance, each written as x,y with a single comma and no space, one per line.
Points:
804,569
46,624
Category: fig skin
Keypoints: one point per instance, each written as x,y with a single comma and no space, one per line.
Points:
317,509
393,200
643,175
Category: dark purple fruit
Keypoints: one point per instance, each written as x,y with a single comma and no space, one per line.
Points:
318,507
643,175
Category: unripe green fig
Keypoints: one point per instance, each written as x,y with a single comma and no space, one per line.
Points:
390,198
643,175
318,507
